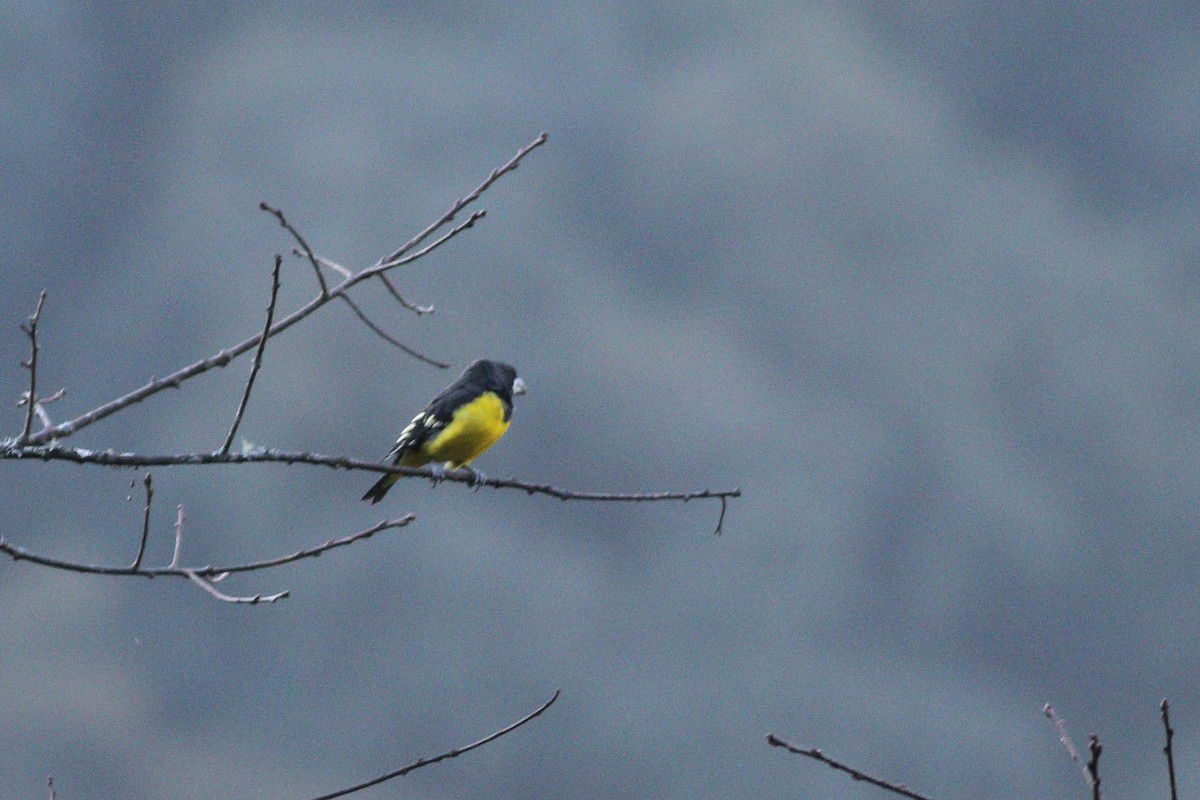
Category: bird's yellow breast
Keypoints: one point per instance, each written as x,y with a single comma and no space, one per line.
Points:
476,426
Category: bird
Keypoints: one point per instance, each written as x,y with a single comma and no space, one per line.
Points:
459,425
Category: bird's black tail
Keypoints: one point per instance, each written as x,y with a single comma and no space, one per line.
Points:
376,492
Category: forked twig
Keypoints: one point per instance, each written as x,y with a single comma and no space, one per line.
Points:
204,577
857,775
258,354
458,751
462,203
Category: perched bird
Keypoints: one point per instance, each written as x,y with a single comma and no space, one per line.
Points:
469,416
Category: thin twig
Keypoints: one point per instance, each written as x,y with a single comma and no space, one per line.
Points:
324,262
458,751
304,248
858,775
175,571
461,203
388,338
224,357
226,598
30,329
137,561
178,537
1061,726
1167,749
1093,766
258,354
419,310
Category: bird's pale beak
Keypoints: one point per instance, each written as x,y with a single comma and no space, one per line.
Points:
518,386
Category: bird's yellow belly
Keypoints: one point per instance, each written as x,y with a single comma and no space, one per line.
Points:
476,426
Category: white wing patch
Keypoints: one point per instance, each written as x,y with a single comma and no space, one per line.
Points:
416,431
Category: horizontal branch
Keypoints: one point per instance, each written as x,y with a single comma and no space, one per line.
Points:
456,752
110,458
191,573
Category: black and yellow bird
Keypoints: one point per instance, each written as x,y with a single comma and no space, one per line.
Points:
469,416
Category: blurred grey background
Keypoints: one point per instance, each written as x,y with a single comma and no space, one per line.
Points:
921,279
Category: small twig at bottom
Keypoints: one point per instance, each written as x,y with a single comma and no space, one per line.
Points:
857,775
458,751
1167,748
1093,766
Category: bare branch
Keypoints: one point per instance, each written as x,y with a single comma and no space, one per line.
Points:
224,357
30,329
211,572
1061,726
1167,749
258,354
388,338
137,561
304,248
857,775
458,751
462,203
110,458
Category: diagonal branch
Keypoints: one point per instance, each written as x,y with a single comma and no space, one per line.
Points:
258,354
815,754
458,751
462,203
224,357
30,329
1064,738
419,310
389,338
304,248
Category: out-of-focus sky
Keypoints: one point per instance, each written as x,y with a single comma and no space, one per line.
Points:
919,278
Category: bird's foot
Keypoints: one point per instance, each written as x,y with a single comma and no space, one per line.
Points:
476,478
439,474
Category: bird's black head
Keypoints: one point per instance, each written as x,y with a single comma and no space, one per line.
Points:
497,377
